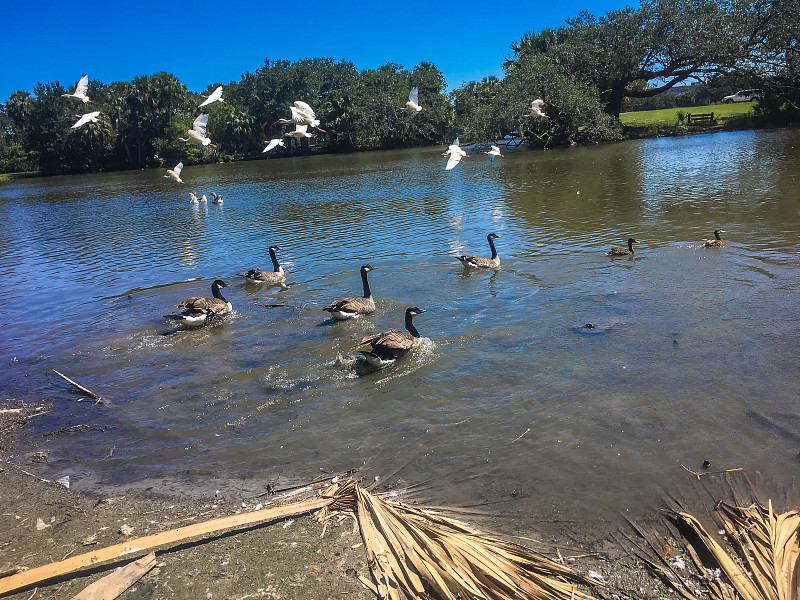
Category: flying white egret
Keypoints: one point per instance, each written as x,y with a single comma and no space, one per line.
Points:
413,100
80,90
272,144
536,108
300,131
175,173
455,154
302,114
495,151
214,96
197,134
84,119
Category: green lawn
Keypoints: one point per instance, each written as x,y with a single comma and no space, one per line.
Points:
668,117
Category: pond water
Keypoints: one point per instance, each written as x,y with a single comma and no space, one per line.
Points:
511,400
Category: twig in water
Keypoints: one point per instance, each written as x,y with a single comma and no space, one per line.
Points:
699,475
88,392
520,437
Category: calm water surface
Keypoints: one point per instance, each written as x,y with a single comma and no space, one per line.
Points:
511,401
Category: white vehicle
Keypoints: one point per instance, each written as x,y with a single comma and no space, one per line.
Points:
742,96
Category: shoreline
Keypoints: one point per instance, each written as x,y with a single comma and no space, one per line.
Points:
630,133
44,522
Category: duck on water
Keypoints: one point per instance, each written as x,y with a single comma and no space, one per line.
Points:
347,308
388,346
717,242
623,251
198,310
277,275
470,260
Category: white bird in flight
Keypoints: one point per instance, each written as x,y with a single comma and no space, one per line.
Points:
272,144
214,96
80,90
300,131
536,108
413,100
302,114
495,151
84,119
197,134
175,173
455,154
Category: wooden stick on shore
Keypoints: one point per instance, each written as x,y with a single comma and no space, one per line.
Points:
135,546
86,391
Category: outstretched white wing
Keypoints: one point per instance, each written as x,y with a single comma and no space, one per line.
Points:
213,96
455,158
496,149
200,124
272,143
301,128
83,86
305,108
92,116
178,168
538,103
413,95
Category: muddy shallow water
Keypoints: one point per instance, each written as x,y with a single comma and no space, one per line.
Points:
511,399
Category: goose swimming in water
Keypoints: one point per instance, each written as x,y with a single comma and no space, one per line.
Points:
469,260
277,275
347,308
623,251
215,199
390,345
198,310
193,198
717,242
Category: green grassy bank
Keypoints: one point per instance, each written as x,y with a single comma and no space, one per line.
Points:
668,117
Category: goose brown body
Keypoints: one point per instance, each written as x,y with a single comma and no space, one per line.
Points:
347,308
717,242
198,309
277,275
623,251
470,260
390,345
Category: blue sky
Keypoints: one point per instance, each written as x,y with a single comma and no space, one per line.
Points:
205,42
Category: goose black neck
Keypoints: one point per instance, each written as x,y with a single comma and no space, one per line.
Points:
275,266
716,235
491,245
367,292
215,291
410,325
630,246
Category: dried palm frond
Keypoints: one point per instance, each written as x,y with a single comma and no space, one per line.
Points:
427,555
762,562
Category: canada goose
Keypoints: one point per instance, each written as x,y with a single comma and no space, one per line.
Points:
203,199
198,310
623,251
390,345
277,275
215,199
717,242
468,260
347,308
